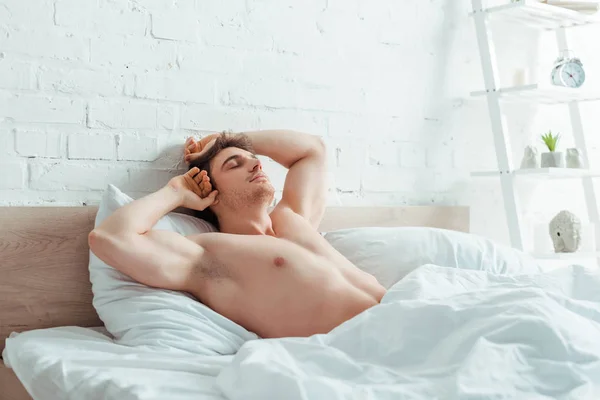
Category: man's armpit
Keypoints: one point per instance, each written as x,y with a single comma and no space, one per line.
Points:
211,268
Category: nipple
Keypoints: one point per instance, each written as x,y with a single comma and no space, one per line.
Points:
279,261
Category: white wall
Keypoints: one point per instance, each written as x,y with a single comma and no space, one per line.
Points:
105,91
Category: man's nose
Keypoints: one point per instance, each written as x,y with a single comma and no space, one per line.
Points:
257,165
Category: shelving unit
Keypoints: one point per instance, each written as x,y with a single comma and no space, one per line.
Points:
536,15
541,173
541,94
566,256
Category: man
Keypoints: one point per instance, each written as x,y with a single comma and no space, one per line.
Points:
272,273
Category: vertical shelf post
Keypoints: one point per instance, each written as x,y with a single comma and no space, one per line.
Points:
499,128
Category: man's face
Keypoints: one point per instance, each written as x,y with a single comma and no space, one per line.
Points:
239,178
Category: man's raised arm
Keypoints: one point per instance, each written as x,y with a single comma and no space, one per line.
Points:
305,189
126,241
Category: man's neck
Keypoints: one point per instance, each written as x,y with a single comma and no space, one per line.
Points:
247,222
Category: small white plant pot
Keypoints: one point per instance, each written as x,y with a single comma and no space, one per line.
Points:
553,159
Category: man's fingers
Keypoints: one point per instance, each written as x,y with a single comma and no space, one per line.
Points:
192,157
205,140
199,182
212,197
201,176
205,188
205,185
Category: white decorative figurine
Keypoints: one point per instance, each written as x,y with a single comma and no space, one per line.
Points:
574,159
530,158
565,231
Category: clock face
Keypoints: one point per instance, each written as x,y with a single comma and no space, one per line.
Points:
572,75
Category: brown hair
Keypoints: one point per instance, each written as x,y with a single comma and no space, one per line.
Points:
224,140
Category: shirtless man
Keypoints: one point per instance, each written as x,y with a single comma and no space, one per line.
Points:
272,273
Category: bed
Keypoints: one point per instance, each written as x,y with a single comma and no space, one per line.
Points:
44,281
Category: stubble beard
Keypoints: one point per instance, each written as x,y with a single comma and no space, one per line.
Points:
248,198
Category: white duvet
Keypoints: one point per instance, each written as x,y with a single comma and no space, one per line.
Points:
442,333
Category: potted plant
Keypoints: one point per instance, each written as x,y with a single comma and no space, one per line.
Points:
553,158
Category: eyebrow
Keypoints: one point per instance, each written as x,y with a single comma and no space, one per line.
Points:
235,157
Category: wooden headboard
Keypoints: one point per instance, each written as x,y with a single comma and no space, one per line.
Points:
44,280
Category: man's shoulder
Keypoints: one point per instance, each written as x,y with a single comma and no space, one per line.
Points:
281,211
284,218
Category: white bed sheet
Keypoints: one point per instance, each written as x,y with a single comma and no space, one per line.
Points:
81,363
442,333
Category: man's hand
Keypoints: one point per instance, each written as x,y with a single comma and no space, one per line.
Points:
195,189
194,149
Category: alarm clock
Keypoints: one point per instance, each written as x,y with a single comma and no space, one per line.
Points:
568,72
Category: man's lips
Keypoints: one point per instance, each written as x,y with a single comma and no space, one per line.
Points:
258,176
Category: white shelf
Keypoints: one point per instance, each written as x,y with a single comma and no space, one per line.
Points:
543,94
567,256
540,16
542,173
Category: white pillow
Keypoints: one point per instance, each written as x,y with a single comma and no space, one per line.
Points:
138,315
389,254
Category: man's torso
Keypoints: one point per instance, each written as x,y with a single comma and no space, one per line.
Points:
294,284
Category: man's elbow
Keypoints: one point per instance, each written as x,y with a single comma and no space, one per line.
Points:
319,146
98,240
94,240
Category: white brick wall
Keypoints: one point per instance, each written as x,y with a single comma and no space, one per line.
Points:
190,88
16,74
86,16
13,174
175,25
91,146
129,113
137,148
44,109
105,91
132,53
85,82
41,143
27,13
51,43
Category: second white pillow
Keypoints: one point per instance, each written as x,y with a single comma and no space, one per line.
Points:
389,254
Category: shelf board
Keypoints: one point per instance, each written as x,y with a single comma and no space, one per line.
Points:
567,256
543,94
542,173
538,15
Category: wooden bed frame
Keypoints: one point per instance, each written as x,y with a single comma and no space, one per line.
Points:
44,280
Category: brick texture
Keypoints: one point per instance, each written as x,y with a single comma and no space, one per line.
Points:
105,91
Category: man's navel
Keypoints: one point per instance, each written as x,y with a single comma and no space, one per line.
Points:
279,261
